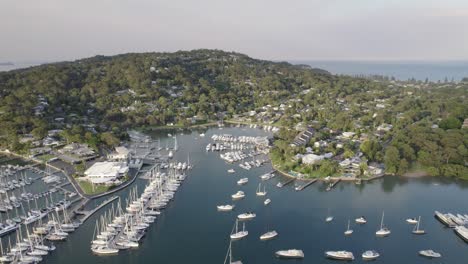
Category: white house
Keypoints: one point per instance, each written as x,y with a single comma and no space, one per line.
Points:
121,154
310,159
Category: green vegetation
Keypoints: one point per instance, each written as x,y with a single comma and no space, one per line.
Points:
91,189
96,100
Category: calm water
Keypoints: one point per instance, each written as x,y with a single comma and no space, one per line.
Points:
434,71
190,230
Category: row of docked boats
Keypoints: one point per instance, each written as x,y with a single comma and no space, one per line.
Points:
458,222
240,139
124,230
372,254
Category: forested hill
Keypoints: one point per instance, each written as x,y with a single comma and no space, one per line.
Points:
95,100
205,81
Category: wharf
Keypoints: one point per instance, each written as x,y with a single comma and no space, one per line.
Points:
282,184
88,214
305,185
333,184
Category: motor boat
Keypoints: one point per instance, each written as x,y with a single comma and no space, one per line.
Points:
360,220
225,208
370,255
246,216
269,235
430,253
340,255
238,195
290,253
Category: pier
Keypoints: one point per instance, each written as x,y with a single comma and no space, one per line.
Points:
88,214
305,185
333,184
282,184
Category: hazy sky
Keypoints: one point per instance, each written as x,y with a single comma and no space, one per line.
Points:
50,30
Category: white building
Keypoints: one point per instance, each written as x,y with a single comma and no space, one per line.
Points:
121,154
106,172
310,159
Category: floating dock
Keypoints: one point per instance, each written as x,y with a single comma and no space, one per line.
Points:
333,184
282,184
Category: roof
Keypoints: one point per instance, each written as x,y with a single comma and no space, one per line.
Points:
106,169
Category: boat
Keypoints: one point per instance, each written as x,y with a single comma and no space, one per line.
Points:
370,255
329,217
231,171
290,253
444,219
348,231
267,201
239,234
383,231
259,191
246,216
412,221
243,181
360,220
462,232
269,235
238,195
103,250
230,256
416,229
430,253
225,208
340,255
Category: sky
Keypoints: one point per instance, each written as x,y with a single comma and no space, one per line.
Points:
55,30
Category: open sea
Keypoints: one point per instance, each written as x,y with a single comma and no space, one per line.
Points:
190,230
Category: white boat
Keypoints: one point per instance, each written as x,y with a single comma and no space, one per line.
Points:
412,221
340,255
430,253
238,195
383,231
104,250
242,181
462,232
269,235
231,171
348,231
329,218
267,201
239,234
225,208
370,255
170,155
360,220
259,190
290,253
246,216
202,135
416,229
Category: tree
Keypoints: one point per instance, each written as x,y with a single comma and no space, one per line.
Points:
109,139
392,159
450,123
370,148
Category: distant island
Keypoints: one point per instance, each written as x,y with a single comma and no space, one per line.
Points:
328,125
8,63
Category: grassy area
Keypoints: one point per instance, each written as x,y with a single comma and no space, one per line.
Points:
89,189
45,157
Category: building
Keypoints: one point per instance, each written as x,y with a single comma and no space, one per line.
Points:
304,137
120,154
106,172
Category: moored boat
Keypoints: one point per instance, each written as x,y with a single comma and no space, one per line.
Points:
430,253
339,255
370,255
290,253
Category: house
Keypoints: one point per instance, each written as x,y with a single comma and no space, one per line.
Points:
106,172
121,153
310,159
304,137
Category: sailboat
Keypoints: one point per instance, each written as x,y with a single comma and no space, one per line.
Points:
348,231
239,234
329,217
259,191
416,229
230,256
270,234
383,231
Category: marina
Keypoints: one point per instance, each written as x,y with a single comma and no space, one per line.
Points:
194,212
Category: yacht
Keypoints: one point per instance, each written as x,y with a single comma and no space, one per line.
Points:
230,256
416,229
444,219
462,232
290,253
370,255
412,221
239,234
267,201
360,220
246,216
104,250
242,181
329,219
340,255
348,231
269,235
231,171
225,208
238,195
383,231
430,253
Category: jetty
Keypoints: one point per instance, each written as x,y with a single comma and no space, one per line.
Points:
88,214
305,185
333,184
282,184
